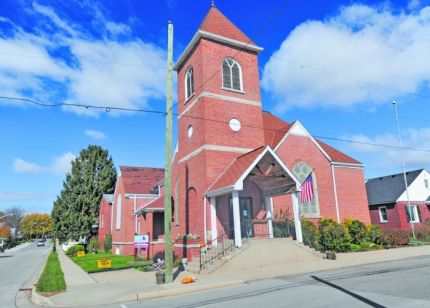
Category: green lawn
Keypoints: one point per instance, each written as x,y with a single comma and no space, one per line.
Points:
52,278
89,262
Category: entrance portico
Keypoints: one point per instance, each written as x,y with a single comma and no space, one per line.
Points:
244,191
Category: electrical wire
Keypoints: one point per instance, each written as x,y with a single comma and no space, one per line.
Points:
283,131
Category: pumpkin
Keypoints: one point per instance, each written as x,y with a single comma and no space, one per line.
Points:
188,279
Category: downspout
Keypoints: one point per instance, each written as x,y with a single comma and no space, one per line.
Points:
335,193
135,216
204,219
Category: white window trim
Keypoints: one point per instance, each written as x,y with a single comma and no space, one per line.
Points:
187,98
380,214
414,210
240,77
118,212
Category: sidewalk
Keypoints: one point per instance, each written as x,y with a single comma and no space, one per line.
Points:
131,285
73,274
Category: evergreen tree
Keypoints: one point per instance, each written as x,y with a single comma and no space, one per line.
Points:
77,206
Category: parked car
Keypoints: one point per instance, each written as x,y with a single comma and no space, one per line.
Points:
40,243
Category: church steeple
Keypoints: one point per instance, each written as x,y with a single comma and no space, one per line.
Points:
216,23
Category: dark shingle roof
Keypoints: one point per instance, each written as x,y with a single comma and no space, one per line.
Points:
387,189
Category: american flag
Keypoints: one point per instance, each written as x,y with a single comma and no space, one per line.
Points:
307,193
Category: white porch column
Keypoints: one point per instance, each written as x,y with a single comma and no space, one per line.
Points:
268,201
213,221
236,219
297,223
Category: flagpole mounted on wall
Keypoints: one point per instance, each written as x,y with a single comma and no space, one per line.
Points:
404,168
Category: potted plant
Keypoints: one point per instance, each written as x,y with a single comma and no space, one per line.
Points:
159,267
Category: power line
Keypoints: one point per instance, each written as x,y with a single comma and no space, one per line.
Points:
108,108
261,30
335,74
84,59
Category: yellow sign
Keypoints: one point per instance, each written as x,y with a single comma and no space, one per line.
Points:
104,263
80,253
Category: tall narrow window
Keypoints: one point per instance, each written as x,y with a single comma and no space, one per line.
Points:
383,217
412,213
231,75
118,212
189,83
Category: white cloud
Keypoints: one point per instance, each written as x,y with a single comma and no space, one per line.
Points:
22,166
18,196
95,134
60,165
323,63
390,157
87,70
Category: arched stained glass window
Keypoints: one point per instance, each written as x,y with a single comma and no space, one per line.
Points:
309,209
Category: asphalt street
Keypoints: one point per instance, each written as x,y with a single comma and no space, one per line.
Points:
18,270
403,283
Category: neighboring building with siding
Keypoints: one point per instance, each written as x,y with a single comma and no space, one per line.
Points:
388,202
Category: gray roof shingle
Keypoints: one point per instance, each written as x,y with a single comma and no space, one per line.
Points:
387,189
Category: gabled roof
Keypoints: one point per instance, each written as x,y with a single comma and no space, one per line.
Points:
263,167
215,22
388,189
274,129
336,155
156,205
108,197
140,180
233,172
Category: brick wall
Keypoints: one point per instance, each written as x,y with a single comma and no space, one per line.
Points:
104,220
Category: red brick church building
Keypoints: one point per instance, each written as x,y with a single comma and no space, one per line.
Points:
236,167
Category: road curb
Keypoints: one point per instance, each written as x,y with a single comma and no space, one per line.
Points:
41,300
179,291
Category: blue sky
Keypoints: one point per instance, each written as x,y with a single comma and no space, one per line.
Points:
334,65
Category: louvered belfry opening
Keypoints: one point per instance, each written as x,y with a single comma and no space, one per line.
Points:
190,82
231,75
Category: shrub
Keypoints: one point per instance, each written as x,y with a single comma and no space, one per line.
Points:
333,236
357,230
390,238
108,243
72,251
284,228
374,233
310,234
93,245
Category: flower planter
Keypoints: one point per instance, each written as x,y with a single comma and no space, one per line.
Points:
160,278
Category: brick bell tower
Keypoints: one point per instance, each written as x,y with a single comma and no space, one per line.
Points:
220,115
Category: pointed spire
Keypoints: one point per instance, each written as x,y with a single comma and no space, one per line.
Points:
215,22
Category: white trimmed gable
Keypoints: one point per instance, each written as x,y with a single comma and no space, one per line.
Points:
417,190
298,129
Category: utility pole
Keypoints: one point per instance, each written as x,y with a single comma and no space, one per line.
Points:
404,169
168,243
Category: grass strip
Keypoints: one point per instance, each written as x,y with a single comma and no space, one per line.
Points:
89,262
52,278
